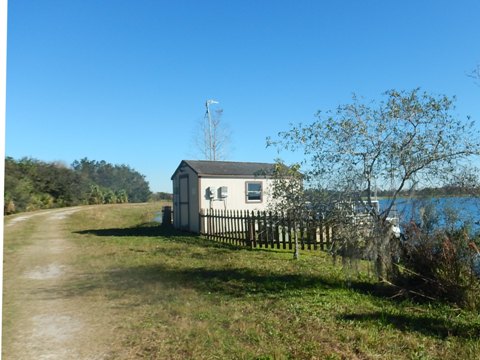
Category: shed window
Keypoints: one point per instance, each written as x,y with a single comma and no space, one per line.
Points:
254,191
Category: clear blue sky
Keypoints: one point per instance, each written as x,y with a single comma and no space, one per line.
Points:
126,81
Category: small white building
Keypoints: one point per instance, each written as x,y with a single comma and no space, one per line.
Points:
218,185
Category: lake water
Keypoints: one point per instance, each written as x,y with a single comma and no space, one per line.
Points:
449,210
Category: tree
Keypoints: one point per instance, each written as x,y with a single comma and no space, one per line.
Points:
122,197
288,195
109,197
409,140
96,196
18,186
115,178
33,184
214,137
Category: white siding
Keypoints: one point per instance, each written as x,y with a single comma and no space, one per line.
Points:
236,198
191,195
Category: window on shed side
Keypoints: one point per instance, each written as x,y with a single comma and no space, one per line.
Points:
253,191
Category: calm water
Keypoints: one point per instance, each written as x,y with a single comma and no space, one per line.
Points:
451,210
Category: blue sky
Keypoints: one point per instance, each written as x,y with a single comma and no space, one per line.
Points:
126,81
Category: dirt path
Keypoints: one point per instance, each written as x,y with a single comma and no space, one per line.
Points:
41,320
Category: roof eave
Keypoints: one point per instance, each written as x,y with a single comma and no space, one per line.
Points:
182,164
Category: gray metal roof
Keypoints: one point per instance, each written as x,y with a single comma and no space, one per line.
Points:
227,168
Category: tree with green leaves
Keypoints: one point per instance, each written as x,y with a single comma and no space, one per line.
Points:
32,184
96,196
288,196
122,197
114,177
408,140
109,197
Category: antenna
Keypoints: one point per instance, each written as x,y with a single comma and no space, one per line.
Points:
210,136
209,102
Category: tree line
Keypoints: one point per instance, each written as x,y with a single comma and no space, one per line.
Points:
32,184
426,192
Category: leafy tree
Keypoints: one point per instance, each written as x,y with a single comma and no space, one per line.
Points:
122,197
32,184
109,197
288,195
408,140
64,185
114,177
137,188
18,188
96,195
86,168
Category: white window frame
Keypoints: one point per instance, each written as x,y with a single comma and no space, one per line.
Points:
248,192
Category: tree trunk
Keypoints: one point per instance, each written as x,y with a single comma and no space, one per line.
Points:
383,261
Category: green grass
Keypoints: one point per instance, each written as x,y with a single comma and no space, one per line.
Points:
179,296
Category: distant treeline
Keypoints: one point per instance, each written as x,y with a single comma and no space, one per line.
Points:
32,184
444,191
161,196
316,196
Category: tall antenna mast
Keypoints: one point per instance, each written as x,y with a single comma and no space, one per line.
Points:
212,151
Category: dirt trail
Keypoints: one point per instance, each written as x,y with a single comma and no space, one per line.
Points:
45,322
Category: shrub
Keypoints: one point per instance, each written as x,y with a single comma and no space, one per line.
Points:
440,264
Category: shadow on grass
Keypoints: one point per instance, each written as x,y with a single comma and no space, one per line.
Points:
424,324
166,232
147,229
169,233
229,282
243,284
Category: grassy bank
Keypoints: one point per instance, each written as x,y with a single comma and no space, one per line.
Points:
178,296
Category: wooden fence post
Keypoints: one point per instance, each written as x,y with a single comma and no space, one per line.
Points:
250,227
277,230
202,225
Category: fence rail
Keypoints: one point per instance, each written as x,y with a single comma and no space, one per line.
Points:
265,229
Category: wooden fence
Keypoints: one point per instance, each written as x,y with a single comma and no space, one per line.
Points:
265,229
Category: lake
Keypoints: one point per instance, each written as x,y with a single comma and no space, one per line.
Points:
448,210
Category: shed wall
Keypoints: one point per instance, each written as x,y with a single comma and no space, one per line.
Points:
236,193
186,206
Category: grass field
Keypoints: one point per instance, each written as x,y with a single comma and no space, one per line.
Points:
177,296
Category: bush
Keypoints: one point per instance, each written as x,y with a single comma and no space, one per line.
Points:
440,264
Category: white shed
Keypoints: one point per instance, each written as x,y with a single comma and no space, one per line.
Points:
217,185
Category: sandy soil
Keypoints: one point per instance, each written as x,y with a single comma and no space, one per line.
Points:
44,321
